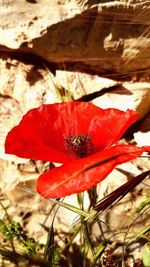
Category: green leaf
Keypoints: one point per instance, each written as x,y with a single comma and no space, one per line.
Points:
3,228
146,255
99,250
143,204
73,208
140,234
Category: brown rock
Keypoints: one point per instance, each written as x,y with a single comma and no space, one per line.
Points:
109,36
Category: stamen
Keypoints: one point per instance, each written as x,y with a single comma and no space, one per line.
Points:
79,146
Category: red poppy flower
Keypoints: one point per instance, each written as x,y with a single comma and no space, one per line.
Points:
78,134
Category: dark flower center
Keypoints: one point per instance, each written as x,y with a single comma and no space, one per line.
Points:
79,146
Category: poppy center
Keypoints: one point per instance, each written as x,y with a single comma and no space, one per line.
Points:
79,146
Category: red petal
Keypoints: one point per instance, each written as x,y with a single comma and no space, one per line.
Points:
34,137
109,126
80,175
146,148
41,132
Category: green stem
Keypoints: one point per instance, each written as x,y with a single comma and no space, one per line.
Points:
11,236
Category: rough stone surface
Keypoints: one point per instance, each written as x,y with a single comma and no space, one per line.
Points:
108,36
130,95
